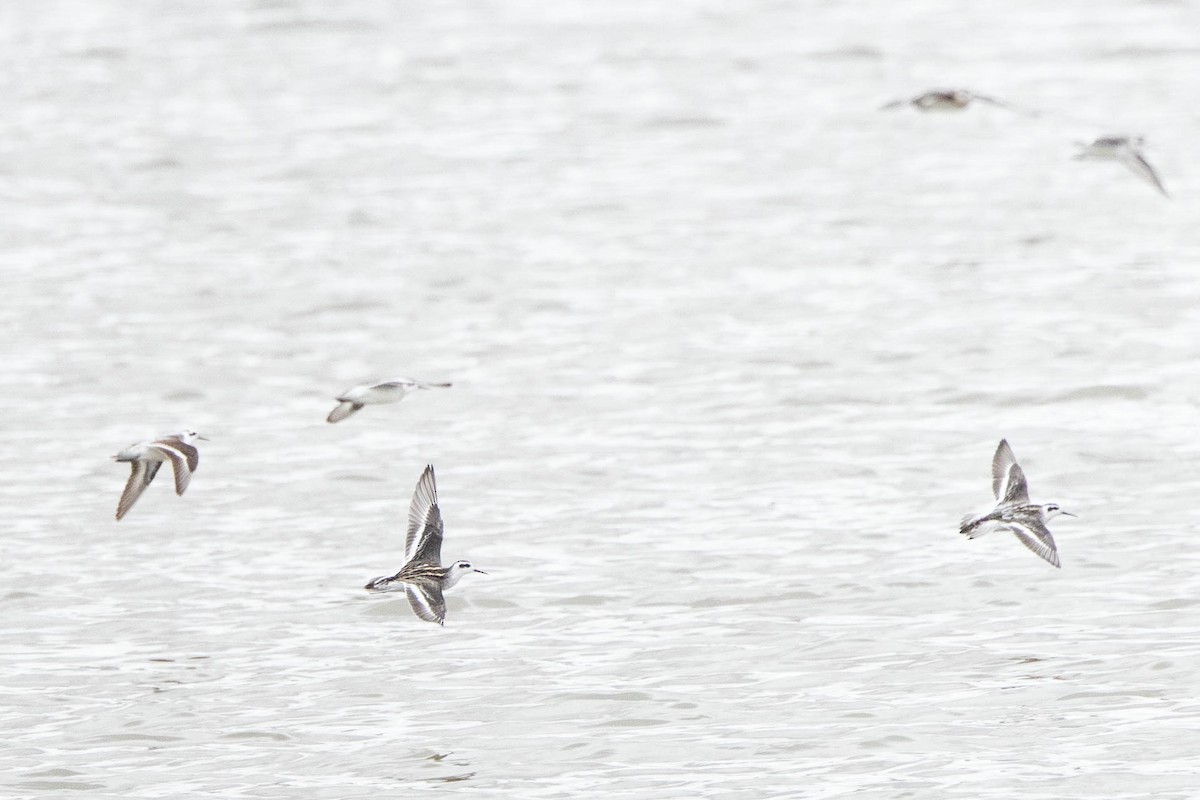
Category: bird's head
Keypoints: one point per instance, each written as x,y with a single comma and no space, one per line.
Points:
1051,510
457,570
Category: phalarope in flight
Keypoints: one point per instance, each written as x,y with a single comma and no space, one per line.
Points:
423,578
1125,150
1013,512
391,391
145,458
949,100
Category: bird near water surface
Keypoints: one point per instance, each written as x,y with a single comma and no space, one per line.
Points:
145,459
423,578
1013,512
391,391
950,100
1125,150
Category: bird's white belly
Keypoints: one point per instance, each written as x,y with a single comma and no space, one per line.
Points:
389,395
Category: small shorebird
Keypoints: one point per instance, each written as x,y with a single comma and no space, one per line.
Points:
367,394
1013,512
1125,150
949,100
145,458
423,578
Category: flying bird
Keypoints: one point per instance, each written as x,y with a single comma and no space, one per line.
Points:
392,391
1126,150
950,100
145,458
1013,512
423,578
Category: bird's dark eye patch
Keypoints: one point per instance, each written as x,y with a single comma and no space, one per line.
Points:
465,565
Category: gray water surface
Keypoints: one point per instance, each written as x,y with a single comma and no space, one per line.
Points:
731,351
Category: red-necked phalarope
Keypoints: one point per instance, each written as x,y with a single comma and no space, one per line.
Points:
950,100
365,394
423,578
1013,512
1125,150
146,457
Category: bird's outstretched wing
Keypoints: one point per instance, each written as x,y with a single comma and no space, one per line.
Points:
993,101
343,410
1016,490
188,450
1037,538
140,475
1136,162
179,462
426,600
423,544
1001,462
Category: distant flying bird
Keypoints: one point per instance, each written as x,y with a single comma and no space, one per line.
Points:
423,578
950,100
1125,150
1013,512
366,394
145,458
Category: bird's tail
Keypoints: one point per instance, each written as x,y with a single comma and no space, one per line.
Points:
385,583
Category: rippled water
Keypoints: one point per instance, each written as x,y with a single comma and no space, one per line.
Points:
731,352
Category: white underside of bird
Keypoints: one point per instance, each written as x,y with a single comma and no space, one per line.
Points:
370,394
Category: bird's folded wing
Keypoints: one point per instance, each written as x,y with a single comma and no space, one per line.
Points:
343,410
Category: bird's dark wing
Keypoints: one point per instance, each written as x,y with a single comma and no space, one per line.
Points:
189,451
423,543
426,600
992,101
179,463
343,410
1016,490
1141,167
1001,461
1036,537
140,475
